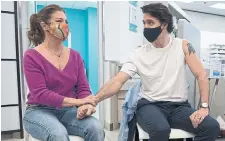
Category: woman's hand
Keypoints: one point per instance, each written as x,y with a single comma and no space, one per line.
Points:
85,110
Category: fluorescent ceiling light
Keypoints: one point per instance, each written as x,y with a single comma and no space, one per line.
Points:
186,1
218,6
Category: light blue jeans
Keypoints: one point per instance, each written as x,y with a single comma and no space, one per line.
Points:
51,124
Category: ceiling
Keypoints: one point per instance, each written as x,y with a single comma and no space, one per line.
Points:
202,6
199,6
70,4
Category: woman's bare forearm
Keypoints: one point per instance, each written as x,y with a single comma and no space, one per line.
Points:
78,102
67,102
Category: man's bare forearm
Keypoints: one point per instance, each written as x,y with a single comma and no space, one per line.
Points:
203,83
109,89
198,70
113,86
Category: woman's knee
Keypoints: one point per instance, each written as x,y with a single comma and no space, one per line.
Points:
42,129
41,132
58,135
95,130
95,127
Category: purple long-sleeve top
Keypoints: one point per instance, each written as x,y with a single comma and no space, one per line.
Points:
48,85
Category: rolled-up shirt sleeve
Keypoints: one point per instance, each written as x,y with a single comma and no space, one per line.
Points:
129,67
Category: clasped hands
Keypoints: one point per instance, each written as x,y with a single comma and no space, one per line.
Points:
88,107
198,116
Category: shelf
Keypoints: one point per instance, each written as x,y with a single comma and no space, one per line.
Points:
221,48
217,52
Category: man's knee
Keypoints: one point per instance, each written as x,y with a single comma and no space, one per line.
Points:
159,130
162,131
211,126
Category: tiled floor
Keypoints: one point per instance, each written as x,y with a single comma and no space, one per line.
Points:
110,136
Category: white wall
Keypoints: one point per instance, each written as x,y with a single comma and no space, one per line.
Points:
110,104
212,23
25,11
119,40
149,2
207,22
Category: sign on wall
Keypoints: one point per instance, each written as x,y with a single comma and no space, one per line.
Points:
133,16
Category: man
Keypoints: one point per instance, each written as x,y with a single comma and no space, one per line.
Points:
161,67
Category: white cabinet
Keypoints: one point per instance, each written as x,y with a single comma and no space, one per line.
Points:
7,6
9,91
8,44
10,119
11,111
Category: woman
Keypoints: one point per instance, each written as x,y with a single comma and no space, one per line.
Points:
57,83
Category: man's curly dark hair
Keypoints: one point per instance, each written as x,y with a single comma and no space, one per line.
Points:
161,12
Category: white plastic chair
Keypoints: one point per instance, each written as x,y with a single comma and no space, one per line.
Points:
175,134
72,138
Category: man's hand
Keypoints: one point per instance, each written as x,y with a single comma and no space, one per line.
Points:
93,98
88,100
198,116
85,110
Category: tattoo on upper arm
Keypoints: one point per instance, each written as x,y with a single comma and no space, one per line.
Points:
190,48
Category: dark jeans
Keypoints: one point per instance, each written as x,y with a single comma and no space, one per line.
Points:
156,118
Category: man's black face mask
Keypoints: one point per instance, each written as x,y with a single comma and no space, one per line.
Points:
151,34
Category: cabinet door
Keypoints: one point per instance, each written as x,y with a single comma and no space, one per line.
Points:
9,91
10,118
8,45
7,6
